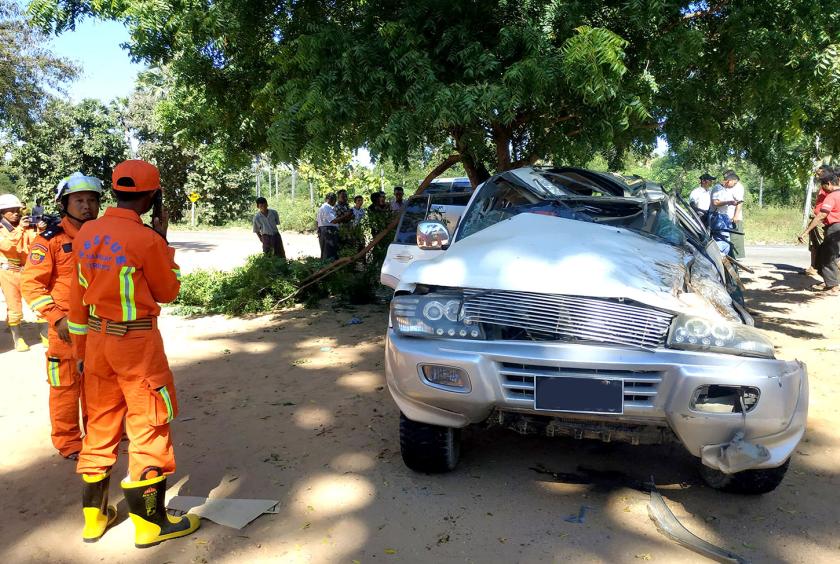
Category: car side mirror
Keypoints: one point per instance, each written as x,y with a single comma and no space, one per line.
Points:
432,236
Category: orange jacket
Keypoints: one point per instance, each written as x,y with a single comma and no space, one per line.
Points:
124,270
14,244
45,282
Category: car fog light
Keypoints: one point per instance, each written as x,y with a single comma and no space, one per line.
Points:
725,399
446,377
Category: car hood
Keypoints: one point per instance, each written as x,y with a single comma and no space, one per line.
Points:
551,255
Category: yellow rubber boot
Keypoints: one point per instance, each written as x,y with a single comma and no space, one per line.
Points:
152,524
98,514
20,344
43,329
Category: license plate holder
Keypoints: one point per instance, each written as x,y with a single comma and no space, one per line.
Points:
603,396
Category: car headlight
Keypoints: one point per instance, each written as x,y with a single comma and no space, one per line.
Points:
701,334
433,315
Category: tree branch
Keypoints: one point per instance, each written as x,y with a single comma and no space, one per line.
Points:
342,262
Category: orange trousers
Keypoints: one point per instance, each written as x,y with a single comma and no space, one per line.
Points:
10,285
128,377
66,394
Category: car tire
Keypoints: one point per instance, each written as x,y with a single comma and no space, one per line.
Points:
428,448
748,482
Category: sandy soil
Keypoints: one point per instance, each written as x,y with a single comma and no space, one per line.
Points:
293,407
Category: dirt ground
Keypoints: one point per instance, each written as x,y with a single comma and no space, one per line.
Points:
293,407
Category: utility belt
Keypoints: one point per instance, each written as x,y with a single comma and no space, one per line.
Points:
119,328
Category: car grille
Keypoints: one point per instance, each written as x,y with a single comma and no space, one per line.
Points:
640,388
569,317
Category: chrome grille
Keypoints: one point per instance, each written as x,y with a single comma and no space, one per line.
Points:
640,387
569,317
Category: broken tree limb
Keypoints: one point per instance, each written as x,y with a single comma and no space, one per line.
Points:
447,163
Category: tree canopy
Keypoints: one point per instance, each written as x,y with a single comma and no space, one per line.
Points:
494,83
27,69
68,137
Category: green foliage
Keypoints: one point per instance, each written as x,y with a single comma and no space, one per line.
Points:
68,137
772,225
259,285
28,70
253,288
498,83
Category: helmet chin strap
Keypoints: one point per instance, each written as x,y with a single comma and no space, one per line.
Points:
71,216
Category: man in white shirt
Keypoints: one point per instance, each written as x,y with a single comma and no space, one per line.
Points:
398,204
700,199
738,191
327,228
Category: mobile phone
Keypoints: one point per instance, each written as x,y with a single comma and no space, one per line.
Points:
157,206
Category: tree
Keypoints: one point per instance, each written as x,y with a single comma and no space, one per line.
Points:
27,69
225,185
494,83
69,137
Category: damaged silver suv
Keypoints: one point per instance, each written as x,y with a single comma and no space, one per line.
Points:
575,303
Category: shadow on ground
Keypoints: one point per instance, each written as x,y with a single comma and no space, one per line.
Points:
295,408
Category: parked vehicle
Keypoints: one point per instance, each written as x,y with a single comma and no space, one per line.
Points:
457,184
570,302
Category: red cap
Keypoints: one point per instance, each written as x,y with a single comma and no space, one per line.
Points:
135,176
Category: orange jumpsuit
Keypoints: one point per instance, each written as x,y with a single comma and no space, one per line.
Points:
124,269
45,284
14,247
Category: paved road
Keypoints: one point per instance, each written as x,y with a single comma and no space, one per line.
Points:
226,249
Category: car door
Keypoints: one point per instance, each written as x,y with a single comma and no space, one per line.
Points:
444,207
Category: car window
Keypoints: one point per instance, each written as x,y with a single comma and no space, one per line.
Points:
415,212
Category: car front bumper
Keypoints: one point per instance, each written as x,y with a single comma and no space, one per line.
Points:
658,389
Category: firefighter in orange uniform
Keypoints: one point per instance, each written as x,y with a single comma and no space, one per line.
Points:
124,270
45,285
15,239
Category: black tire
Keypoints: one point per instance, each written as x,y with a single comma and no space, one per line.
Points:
748,482
429,448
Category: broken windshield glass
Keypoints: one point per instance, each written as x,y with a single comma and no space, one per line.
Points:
569,197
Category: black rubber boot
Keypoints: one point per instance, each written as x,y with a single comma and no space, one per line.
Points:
152,524
20,344
98,514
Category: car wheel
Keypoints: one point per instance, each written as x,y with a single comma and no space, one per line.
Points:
429,448
748,482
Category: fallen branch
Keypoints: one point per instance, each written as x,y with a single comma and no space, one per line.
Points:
342,262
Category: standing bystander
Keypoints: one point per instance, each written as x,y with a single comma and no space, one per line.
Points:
738,191
327,229
398,205
816,236
700,199
265,226
829,215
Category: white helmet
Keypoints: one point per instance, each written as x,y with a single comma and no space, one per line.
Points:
9,202
77,182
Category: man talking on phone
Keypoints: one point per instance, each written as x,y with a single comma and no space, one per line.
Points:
124,270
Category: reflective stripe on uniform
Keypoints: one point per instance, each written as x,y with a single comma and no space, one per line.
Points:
164,393
53,365
177,273
41,302
82,280
129,308
77,328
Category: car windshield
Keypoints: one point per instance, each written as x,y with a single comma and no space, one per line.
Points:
572,196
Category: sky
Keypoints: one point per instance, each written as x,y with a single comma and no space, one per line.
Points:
106,69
